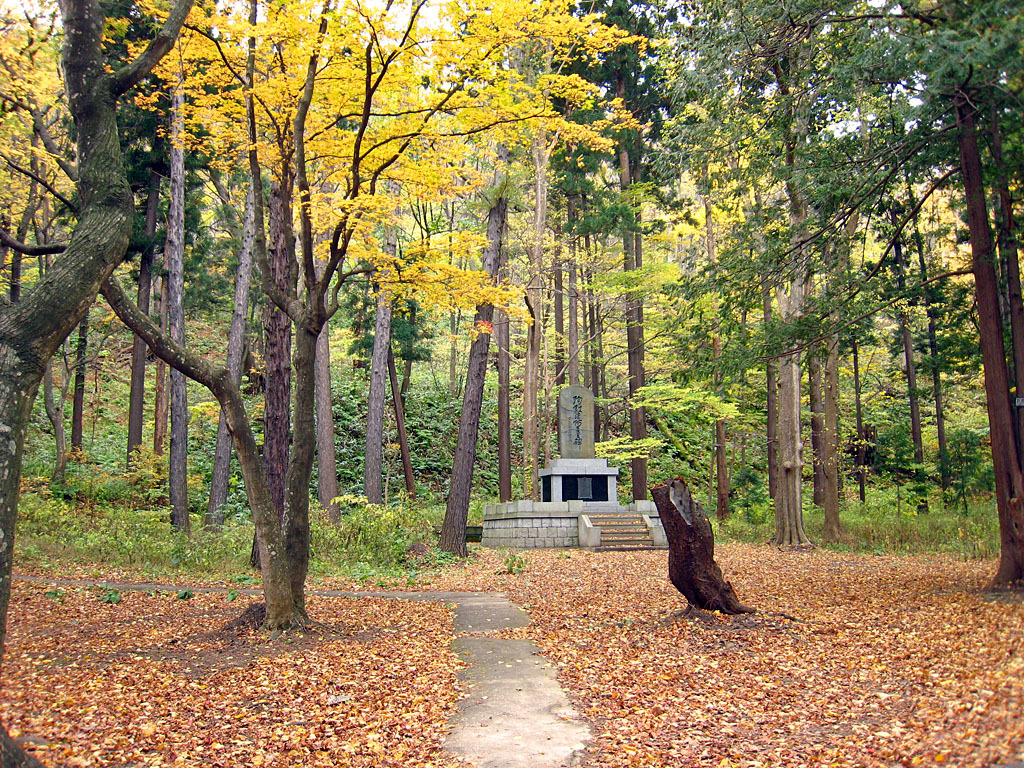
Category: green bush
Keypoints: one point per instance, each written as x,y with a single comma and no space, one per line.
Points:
376,536
117,534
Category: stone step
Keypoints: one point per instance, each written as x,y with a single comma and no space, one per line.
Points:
601,520
628,548
626,543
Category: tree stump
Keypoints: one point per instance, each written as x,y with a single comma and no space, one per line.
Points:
691,551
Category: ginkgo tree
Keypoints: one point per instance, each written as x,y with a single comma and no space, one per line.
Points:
347,107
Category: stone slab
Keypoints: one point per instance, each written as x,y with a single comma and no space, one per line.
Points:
576,422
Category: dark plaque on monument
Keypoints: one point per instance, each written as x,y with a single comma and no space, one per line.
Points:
576,423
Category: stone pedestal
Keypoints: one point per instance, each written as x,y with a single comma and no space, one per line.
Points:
591,481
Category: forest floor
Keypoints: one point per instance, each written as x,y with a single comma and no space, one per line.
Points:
851,660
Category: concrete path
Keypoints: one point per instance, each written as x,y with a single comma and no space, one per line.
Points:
515,714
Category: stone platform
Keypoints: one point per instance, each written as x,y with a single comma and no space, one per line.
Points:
568,525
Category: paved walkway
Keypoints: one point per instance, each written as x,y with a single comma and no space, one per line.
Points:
515,714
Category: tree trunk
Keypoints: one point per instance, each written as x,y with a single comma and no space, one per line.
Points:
1006,462
721,461
772,408
236,349
501,339
789,525
32,329
908,355
534,298
178,459
161,400
1007,243
453,530
137,395
691,551
861,440
403,437
376,400
830,442
326,456
277,333
632,261
558,300
574,299
55,414
817,427
78,399
285,606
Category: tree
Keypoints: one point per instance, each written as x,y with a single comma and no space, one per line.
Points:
33,328
453,530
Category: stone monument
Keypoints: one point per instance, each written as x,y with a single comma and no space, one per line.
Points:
579,495
578,474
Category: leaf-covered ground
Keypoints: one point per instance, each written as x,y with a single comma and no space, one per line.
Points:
153,681
852,660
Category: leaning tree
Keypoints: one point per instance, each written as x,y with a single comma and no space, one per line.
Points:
32,328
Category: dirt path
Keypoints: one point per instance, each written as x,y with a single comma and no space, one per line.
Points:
515,713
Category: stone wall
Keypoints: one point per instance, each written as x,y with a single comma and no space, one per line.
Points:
532,533
532,524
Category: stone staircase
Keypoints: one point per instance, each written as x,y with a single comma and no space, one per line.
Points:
622,531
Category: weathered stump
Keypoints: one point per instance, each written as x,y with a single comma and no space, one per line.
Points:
691,551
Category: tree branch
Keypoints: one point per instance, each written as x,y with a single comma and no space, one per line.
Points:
130,74
30,250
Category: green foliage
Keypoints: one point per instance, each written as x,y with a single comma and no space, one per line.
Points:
185,594
370,534
971,471
110,596
232,595
118,534
514,564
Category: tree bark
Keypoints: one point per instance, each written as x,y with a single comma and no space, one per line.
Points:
789,524
55,414
453,530
376,400
236,349
772,408
137,395
78,399
574,299
285,608
632,261
32,329
161,399
861,440
277,332
326,456
1007,244
1006,462
558,301
501,339
178,459
534,299
814,390
908,356
691,551
403,437
830,442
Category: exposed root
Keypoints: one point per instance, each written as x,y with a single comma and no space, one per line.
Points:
252,618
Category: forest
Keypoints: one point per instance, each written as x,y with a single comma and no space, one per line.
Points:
288,293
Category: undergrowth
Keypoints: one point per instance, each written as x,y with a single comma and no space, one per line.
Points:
886,524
